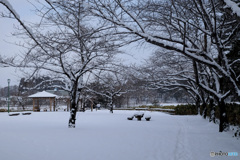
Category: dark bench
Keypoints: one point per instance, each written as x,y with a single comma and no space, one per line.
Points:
139,117
26,113
130,118
148,118
14,114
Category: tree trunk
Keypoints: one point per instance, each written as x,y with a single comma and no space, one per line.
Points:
73,113
73,107
212,107
111,109
111,105
198,104
91,106
74,99
204,105
223,125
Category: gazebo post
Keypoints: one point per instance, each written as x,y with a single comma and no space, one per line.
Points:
38,104
50,104
54,104
33,104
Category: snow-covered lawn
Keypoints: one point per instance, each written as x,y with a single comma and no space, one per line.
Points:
104,136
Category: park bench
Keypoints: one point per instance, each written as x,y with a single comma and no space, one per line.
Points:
130,118
14,114
26,113
139,117
148,118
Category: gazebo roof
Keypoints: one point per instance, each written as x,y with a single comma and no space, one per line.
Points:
42,94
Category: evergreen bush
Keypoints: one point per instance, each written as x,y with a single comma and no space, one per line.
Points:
188,109
3,110
233,112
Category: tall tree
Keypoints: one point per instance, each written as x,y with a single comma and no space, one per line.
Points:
69,46
201,30
110,85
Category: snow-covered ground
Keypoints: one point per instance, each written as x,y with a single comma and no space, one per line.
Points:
100,135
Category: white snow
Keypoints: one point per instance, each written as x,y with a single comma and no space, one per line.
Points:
42,94
100,135
233,6
7,4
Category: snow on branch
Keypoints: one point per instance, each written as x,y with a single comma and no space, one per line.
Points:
10,8
17,17
234,6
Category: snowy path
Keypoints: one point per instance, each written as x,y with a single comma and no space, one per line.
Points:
104,136
182,151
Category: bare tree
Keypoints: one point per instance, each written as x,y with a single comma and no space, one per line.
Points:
171,72
197,29
181,26
177,72
69,46
110,85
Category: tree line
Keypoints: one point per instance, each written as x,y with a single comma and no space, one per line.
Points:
110,91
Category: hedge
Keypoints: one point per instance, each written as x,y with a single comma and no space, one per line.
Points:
188,109
232,109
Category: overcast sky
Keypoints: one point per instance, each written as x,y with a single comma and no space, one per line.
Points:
25,10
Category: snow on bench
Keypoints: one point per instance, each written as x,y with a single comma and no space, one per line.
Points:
139,117
13,114
26,113
130,118
148,118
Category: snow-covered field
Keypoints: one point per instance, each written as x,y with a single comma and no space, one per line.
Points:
100,135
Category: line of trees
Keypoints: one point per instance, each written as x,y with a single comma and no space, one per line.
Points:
117,89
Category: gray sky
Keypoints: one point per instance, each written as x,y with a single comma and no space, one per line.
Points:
7,48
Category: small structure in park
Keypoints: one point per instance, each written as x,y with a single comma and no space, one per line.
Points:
43,95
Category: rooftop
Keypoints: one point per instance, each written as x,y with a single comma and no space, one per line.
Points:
42,94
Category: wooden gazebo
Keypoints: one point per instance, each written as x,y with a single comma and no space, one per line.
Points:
43,95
